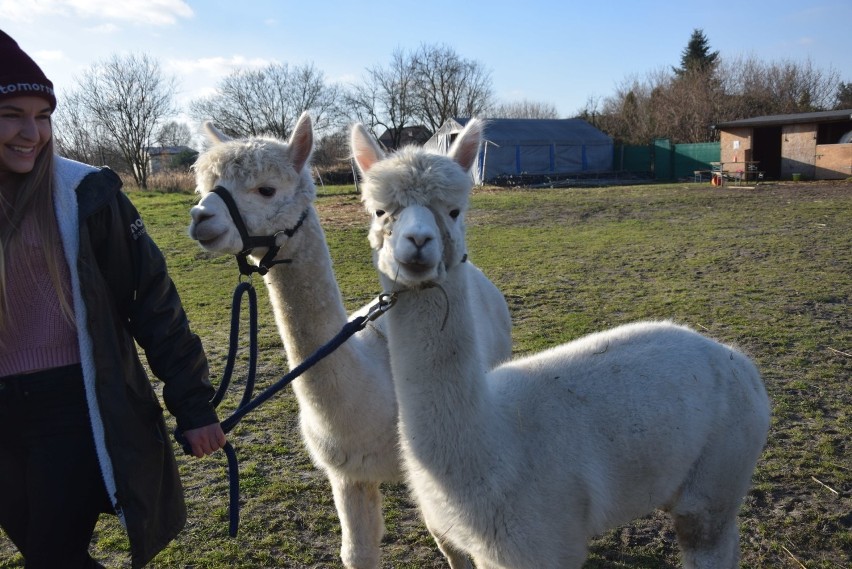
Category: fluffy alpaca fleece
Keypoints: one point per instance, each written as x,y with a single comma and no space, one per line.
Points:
347,406
522,465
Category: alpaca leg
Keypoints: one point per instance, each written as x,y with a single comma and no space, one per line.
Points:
456,558
705,518
359,508
708,543
705,514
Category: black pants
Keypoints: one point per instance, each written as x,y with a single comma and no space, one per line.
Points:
51,489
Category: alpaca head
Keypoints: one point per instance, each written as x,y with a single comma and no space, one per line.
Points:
417,200
269,180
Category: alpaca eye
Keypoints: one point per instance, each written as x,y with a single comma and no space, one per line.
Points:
266,191
455,213
380,212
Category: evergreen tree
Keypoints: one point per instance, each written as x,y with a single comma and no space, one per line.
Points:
844,96
696,55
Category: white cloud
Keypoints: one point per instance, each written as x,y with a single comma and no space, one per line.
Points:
206,92
345,79
17,11
214,66
104,29
153,12
49,55
145,12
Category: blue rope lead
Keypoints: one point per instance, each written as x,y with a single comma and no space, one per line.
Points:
233,489
244,287
247,404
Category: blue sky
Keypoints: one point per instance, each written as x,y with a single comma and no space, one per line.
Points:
554,51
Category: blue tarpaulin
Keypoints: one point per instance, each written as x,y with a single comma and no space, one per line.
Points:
533,146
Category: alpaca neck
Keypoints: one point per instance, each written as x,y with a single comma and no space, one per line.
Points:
440,380
305,297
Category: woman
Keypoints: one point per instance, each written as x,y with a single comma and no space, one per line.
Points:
81,283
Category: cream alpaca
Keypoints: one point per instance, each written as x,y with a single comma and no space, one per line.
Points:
522,465
347,408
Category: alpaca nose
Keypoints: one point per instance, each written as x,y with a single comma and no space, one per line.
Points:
199,214
419,240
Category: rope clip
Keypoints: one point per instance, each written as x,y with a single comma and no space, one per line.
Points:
385,301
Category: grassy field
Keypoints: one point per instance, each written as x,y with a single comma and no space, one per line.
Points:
767,269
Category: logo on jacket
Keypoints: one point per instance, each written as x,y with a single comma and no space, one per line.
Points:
137,229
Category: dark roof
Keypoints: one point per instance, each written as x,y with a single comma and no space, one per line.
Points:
795,118
533,131
409,135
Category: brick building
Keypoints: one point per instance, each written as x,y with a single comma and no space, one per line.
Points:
817,146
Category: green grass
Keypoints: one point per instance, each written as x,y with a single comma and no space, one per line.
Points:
766,269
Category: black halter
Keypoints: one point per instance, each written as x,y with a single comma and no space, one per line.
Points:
252,241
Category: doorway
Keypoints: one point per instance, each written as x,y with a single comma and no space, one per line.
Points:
766,149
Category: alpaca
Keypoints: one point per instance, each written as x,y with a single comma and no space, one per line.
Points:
521,465
347,407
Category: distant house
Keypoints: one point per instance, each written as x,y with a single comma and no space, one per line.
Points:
163,157
557,147
409,135
814,145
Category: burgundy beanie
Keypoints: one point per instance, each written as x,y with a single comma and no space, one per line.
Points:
19,74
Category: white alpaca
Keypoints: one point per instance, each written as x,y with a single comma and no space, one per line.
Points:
347,407
522,465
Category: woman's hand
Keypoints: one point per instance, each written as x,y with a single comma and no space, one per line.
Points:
205,440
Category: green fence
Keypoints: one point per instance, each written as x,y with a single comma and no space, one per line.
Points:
688,158
666,161
636,159
663,159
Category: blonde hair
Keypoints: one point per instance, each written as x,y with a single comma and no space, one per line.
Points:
32,195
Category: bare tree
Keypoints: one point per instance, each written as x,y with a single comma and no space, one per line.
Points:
682,106
591,111
308,91
268,101
361,104
778,87
79,137
384,99
234,106
424,87
128,97
332,151
627,115
174,133
524,109
447,85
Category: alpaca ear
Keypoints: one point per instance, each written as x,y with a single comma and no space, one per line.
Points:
301,142
466,146
364,149
214,134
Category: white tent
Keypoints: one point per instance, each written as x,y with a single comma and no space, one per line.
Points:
533,146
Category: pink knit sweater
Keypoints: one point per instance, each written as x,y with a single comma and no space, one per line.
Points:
40,337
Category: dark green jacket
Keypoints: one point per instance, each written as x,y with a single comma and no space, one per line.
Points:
123,296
